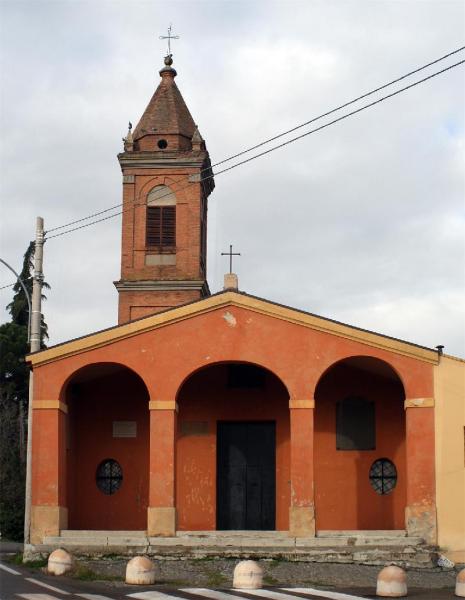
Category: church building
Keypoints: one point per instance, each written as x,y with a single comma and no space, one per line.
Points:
228,412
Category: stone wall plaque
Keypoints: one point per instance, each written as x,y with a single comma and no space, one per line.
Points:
124,429
160,259
194,428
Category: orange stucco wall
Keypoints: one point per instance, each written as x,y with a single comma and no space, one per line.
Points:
345,473
166,357
205,398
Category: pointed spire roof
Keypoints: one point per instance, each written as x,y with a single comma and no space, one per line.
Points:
166,112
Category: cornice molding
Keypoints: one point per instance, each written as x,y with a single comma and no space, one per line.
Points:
232,299
162,286
160,162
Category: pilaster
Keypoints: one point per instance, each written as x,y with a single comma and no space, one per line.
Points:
420,512
302,509
161,512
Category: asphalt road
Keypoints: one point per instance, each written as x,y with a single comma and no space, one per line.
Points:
19,582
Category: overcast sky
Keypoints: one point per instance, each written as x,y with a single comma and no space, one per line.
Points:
362,222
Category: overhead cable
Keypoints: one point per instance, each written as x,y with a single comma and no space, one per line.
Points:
272,149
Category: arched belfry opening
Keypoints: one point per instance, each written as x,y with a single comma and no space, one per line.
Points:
359,447
107,454
233,449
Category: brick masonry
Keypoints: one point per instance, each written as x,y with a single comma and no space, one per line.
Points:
179,167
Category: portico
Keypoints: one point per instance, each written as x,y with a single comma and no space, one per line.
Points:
180,423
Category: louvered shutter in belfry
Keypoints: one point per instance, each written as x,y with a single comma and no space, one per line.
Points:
168,226
161,226
153,225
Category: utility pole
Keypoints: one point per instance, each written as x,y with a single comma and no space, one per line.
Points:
36,322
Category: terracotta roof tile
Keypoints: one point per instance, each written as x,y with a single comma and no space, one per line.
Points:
166,112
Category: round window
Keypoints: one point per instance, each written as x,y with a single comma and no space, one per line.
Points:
109,476
383,476
162,144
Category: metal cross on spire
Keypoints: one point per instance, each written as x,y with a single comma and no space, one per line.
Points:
230,254
169,37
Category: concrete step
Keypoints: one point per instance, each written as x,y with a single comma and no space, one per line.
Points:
350,547
236,533
362,533
104,541
74,533
239,539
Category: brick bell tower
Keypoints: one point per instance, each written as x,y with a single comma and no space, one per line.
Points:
167,179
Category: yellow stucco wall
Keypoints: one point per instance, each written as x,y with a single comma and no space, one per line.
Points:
449,390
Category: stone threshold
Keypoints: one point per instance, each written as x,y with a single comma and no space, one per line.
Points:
233,539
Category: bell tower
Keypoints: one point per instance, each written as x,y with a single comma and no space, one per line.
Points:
167,179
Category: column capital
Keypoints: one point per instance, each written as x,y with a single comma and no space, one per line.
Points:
309,403
163,405
418,402
50,404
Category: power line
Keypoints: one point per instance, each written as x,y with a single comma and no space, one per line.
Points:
286,143
333,110
7,286
88,224
350,114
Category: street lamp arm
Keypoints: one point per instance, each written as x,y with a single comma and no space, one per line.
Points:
28,298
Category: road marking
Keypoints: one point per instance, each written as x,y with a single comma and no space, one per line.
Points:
45,585
37,597
213,594
93,597
152,596
323,593
8,570
272,594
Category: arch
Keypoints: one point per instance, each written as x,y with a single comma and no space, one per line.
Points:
107,422
160,180
161,195
359,418
231,398
364,361
196,370
160,220
96,369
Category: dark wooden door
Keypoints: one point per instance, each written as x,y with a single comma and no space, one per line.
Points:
246,475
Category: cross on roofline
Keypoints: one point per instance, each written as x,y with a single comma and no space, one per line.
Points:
169,37
230,254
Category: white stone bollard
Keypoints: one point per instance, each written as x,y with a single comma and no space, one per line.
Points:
392,583
140,570
460,584
59,562
248,575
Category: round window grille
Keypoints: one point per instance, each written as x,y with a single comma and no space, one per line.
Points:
383,476
162,144
109,476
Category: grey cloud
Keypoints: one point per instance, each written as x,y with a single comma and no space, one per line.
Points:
362,222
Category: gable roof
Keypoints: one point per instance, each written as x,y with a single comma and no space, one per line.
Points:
238,299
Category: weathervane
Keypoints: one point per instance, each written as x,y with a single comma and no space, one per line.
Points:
230,254
169,37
